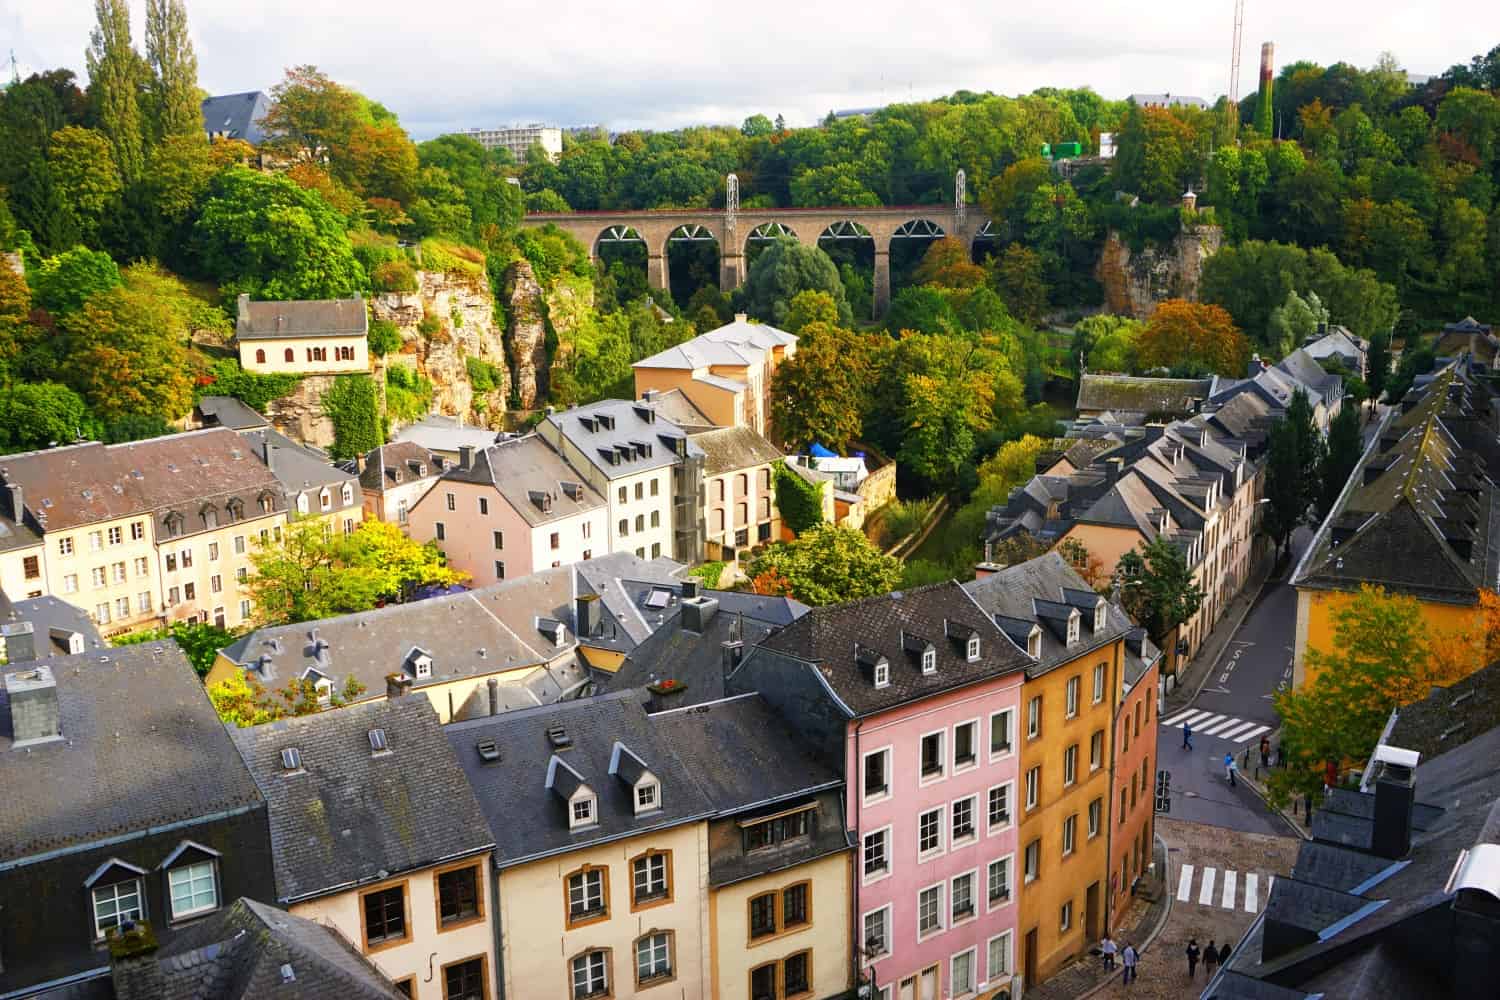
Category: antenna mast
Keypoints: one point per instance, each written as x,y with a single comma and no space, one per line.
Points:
1233,111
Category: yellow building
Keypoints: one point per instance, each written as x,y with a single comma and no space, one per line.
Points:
309,337
1416,517
1068,702
375,832
637,859
726,373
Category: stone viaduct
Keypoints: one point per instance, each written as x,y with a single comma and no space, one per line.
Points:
735,230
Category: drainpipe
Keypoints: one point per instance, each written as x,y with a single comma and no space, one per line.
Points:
499,943
857,874
1109,818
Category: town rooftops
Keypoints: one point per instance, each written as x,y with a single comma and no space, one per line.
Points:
622,437
396,464
88,483
226,411
728,449
529,768
299,467
301,318
847,643
636,594
532,478
57,629
237,116
365,792
437,433
1339,344
735,344
1449,716
1170,397
676,407
137,746
1467,325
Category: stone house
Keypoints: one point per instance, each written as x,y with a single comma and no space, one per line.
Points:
305,337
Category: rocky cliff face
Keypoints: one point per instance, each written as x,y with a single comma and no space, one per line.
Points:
1135,282
527,333
299,414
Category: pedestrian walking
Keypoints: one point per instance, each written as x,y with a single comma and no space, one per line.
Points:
1265,752
1210,958
1187,736
1129,958
1224,953
1229,768
1107,947
1192,954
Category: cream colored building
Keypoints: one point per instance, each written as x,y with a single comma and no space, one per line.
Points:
309,337
411,890
394,477
726,373
739,493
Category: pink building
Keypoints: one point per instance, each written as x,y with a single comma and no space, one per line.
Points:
915,696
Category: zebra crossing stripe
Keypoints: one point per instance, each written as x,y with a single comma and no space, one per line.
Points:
1253,733
1178,719
1252,893
1184,883
1206,890
1234,731
1218,727
1201,726
1228,896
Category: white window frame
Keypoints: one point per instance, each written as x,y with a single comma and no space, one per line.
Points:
1010,734
989,953
1009,861
587,968
1070,765
886,833
942,832
1096,817
597,873
1033,788
972,955
1034,644
1034,717
213,885
942,912
884,913
973,876
654,971
890,756
971,649
942,758
1073,692
882,674
1098,683
137,913
1096,761
1027,876
973,745
929,661
1069,835
1065,917
953,839
1010,808
1101,616
1074,621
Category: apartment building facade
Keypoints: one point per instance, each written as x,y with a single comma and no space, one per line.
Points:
739,495
726,373
1132,803
393,477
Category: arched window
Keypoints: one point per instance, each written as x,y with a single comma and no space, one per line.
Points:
260,356
290,357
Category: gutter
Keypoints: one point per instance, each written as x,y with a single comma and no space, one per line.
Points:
356,883
127,837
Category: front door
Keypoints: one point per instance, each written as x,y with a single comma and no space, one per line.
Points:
1091,914
908,989
1028,960
930,983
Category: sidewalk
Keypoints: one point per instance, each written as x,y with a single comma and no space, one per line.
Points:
1250,773
1140,927
1191,681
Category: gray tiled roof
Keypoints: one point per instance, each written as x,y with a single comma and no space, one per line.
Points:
50,618
729,449
528,819
676,407
353,815
828,637
240,952
638,439
237,116
530,475
624,582
737,343
439,433
1449,716
301,318
141,747
397,464
299,468
226,411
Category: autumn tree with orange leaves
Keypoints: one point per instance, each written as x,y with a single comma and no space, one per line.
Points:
1193,335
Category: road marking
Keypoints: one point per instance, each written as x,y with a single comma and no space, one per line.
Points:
1209,720
1178,718
1231,733
1228,896
1253,733
1219,726
1184,883
1206,891
1252,892
1242,642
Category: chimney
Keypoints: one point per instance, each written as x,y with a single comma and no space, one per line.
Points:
733,653
698,613
1395,794
19,642
586,617
649,396
494,685
1255,367
1113,469
466,457
17,502
397,685
984,569
133,967
359,463
689,588
1476,918
33,706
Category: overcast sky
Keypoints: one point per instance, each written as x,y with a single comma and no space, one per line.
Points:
448,64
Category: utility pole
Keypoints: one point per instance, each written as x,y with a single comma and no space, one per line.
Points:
960,210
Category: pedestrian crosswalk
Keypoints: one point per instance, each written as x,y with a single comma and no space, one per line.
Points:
1223,727
1230,895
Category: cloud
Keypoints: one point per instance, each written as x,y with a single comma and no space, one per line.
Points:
448,64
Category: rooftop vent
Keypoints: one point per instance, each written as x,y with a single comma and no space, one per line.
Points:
559,738
291,759
488,751
288,975
378,742
34,716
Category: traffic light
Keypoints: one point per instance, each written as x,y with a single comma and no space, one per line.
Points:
1163,791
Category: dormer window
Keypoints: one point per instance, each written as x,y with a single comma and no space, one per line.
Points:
325,499
324,687
1034,644
420,663
1074,620
582,812
882,673
929,661
1101,616
302,505
647,796
347,494
971,651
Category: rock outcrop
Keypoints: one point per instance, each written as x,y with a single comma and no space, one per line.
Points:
299,414
1135,282
527,333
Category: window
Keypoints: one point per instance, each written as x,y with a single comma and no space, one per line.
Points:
929,910
778,830
1122,807
877,852
189,591
193,889
998,876
484,505
961,893
70,583
591,975
963,819
882,673
1034,718
763,981
172,596
999,955
211,517
458,897
582,812
1033,860
651,878
932,755
1101,615
971,651
385,916
1125,736
930,831
555,542
117,572
999,807
653,957
588,895
1137,731
1096,750
96,541
464,980
655,487
1034,644
115,904
1000,733
31,566
645,797
877,928
965,735
1033,785
499,569
1096,811
1073,621
65,546
101,613
302,503
624,527
122,607
961,973
656,519
795,905
137,530
441,532
929,661
97,573
1065,917
241,574
244,610
216,584
625,495
796,974
640,490
116,535
877,772
239,545
451,501
1070,765
1069,834
1072,702
1098,683
640,522
763,915
289,355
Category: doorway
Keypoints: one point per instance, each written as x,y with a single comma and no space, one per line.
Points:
908,990
1091,928
1028,960
929,983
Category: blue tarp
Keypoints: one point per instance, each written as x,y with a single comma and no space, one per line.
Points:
818,451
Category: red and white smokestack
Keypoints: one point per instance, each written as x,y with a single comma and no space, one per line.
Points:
1267,60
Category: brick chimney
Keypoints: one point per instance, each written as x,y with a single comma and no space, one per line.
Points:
132,962
34,716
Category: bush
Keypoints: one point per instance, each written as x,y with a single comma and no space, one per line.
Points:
483,376
227,378
351,405
408,396
384,338
711,573
394,276
905,517
430,326
451,258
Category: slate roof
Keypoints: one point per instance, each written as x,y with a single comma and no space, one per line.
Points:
239,953
1024,591
1449,716
226,411
1338,343
396,464
528,820
624,583
1303,367
141,747
729,449
87,483
300,468
1467,325
737,343
1134,394
530,476
827,637
435,432
51,618
1167,100
676,407
301,318
631,433
351,815
237,116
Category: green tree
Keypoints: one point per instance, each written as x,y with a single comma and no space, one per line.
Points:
39,415
311,116
83,168
947,264
384,338
240,700
1285,490
1156,154
1104,342
799,501
1158,588
923,309
1341,454
1378,364
173,101
63,283
829,565
115,78
821,394
200,641
810,306
782,270
16,331
1292,322
757,127
1019,279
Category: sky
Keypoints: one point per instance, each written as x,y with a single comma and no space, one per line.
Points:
444,65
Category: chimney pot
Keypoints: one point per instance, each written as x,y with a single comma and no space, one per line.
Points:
33,706
689,589
397,685
1395,795
466,457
